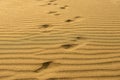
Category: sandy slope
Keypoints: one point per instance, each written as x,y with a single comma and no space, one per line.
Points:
59,40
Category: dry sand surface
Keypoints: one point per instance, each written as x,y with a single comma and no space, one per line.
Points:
59,39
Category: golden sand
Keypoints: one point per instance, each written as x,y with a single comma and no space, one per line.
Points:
59,40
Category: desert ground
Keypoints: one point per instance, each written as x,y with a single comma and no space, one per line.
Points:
59,39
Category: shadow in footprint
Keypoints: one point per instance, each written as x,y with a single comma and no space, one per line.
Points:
55,4
68,46
45,25
76,17
73,19
69,20
64,7
45,65
49,3
78,38
52,12
52,1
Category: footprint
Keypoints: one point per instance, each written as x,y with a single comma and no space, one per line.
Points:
73,19
52,0
78,38
67,46
69,20
45,25
52,12
49,3
64,7
76,17
55,4
44,66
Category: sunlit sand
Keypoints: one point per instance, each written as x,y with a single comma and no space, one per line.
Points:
59,40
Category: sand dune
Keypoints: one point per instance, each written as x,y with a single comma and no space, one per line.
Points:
59,40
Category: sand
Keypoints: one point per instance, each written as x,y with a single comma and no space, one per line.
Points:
59,40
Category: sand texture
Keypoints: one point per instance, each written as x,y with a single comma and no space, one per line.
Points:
59,39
